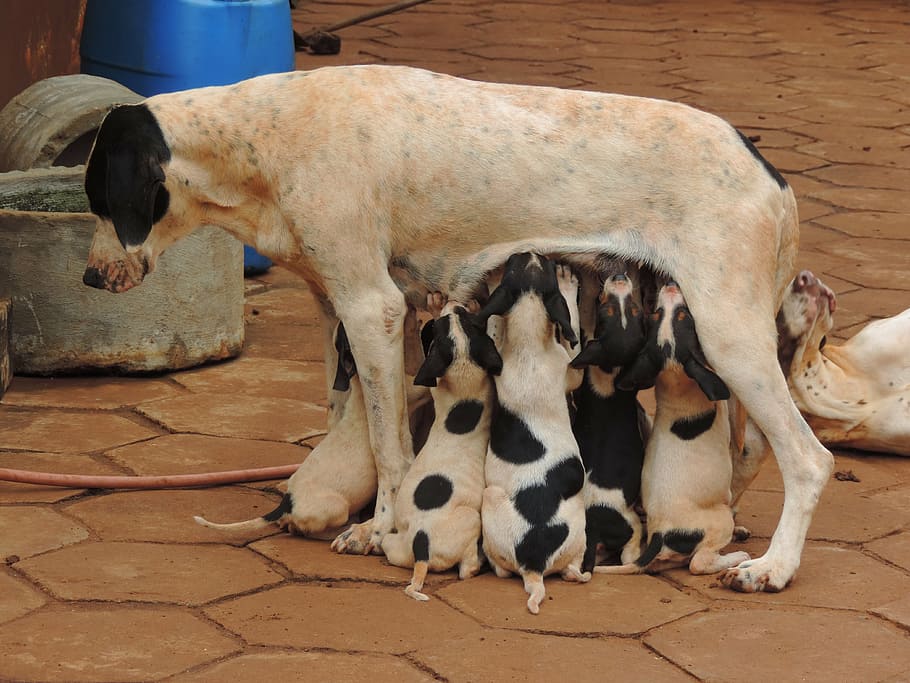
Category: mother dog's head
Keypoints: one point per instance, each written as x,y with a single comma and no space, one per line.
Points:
126,184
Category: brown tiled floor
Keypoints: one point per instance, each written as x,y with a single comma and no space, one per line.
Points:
122,586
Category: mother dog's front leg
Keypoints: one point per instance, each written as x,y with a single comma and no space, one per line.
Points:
374,322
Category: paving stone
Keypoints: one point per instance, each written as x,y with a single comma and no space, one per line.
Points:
859,175
533,658
58,431
778,644
29,530
55,463
275,339
259,377
316,615
879,303
895,549
195,453
106,643
828,576
314,559
167,516
275,419
86,392
292,303
897,611
871,262
149,572
841,515
338,667
17,598
636,604
869,224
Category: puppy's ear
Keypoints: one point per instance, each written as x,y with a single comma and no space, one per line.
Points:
558,312
484,353
346,367
500,301
426,335
591,354
641,373
712,385
434,365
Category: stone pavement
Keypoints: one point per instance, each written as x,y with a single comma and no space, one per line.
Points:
123,586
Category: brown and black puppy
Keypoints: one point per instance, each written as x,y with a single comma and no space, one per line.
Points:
608,421
338,478
685,486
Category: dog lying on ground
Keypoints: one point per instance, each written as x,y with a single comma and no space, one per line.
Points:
607,423
685,486
856,395
379,184
437,512
533,511
338,478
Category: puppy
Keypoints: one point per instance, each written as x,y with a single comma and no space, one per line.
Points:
685,485
856,395
533,511
607,422
338,478
437,511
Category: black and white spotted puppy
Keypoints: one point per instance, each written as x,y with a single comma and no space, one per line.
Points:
685,486
338,478
437,512
533,511
608,421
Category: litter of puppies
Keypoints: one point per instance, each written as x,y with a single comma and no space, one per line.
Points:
528,466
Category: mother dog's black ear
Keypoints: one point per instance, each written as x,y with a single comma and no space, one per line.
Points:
124,178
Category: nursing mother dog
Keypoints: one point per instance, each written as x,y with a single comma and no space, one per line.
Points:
378,184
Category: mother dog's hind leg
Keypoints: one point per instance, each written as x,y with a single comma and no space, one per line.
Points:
740,342
373,319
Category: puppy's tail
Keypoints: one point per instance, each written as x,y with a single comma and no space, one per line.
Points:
284,508
655,544
535,588
421,547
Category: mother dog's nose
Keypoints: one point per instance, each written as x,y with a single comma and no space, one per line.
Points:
93,278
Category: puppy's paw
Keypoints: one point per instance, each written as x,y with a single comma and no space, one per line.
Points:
741,533
568,282
356,540
435,303
755,576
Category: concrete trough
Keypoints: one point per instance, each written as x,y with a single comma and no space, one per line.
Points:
189,311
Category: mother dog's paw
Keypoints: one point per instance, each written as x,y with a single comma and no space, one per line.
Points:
356,540
754,576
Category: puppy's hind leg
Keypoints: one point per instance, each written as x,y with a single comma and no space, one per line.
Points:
706,561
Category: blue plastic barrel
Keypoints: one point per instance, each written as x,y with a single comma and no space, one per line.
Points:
156,46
